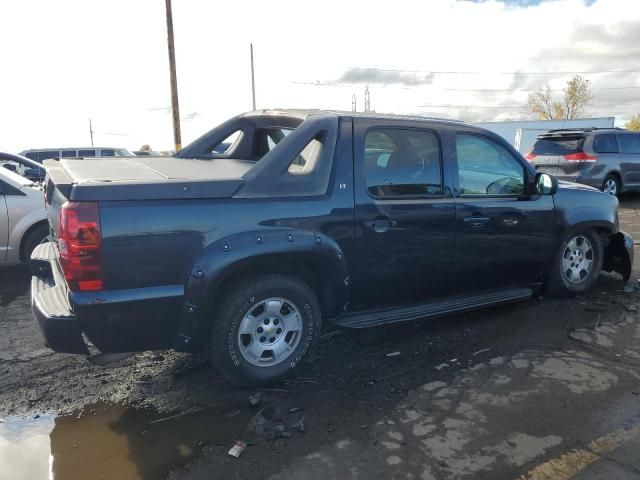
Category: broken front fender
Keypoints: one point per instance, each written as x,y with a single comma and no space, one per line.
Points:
618,254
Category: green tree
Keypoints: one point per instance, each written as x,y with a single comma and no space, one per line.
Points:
577,95
634,123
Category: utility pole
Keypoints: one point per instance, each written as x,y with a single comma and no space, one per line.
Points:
367,99
91,132
354,103
175,110
253,79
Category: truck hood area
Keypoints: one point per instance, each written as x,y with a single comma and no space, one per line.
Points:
148,178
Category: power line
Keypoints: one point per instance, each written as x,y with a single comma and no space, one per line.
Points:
518,106
578,57
350,85
468,72
526,90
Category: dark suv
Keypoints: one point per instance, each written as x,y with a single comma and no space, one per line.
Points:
605,158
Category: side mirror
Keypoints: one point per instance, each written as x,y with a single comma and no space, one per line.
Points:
546,184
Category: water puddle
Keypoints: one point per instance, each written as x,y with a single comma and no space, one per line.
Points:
111,442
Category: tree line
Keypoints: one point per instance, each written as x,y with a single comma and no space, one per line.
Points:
572,102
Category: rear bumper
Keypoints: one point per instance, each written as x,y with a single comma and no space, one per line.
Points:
50,303
114,321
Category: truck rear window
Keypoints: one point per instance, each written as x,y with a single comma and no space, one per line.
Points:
563,145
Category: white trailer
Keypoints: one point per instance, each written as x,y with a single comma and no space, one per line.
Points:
522,134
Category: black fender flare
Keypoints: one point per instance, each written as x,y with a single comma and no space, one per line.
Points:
225,257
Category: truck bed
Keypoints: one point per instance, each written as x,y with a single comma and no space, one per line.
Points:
149,178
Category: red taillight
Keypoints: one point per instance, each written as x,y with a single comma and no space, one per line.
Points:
79,243
530,156
580,157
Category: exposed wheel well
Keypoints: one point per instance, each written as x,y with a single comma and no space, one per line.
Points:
41,223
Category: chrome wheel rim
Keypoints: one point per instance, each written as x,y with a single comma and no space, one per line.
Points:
577,259
270,332
610,187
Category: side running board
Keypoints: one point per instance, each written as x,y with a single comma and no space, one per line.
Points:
436,308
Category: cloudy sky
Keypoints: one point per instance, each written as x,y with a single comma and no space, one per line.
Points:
66,61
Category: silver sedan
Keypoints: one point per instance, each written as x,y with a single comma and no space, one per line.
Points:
23,219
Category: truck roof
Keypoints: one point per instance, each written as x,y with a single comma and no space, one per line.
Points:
304,113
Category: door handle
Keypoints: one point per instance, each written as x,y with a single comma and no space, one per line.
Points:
476,221
380,224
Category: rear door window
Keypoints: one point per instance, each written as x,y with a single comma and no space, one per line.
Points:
560,145
629,143
68,153
402,162
86,153
605,143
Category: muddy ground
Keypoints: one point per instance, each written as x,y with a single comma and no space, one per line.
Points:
492,394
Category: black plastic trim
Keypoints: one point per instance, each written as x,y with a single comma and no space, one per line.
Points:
436,308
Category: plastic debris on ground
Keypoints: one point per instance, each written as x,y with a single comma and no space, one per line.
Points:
237,449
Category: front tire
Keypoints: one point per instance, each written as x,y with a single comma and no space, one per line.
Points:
611,185
264,328
577,264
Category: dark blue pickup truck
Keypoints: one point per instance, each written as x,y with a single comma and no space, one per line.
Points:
250,238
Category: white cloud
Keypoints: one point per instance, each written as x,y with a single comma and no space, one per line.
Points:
69,60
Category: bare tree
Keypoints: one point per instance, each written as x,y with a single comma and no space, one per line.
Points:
577,95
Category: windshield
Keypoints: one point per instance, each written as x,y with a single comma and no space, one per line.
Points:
14,177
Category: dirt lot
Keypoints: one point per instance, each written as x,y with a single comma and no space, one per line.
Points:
548,388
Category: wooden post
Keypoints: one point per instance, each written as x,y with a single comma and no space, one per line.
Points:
253,80
175,109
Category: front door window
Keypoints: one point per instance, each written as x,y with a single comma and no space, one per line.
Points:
486,168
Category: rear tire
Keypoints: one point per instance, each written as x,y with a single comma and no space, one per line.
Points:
264,328
577,264
34,238
612,185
